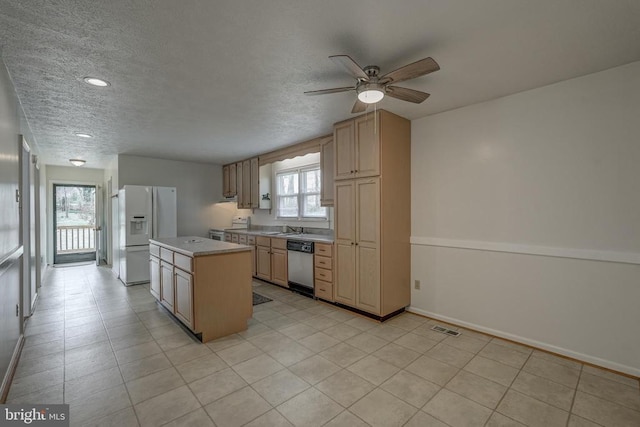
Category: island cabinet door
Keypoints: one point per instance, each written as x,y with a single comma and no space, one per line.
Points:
154,286
166,285
184,297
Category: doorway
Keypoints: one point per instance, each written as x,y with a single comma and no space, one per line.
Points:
74,223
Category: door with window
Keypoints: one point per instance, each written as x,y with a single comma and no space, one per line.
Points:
74,223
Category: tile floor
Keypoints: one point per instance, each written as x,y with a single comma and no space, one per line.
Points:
120,360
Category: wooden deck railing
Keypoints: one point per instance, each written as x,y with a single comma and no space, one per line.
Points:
75,238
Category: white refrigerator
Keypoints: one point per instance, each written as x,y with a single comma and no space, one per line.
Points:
144,213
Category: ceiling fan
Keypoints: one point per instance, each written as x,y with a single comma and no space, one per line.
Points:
371,87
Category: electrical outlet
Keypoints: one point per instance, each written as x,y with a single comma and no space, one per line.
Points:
416,284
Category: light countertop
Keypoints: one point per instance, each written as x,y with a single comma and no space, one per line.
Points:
320,238
194,246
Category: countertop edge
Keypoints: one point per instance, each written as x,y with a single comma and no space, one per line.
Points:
205,252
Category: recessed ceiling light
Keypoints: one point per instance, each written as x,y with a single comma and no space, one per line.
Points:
96,82
77,162
83,135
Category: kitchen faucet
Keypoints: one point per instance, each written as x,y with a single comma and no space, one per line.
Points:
295,230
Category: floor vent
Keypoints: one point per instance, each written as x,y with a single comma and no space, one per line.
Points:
445,331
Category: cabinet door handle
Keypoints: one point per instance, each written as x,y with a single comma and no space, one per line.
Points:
351,243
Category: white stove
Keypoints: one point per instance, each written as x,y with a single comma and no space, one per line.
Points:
237,223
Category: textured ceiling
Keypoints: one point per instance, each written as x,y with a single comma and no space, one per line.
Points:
217,81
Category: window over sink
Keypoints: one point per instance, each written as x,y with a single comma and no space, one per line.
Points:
298,193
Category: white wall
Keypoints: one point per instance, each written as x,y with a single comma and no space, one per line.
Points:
67,175
198,186
269,217
526,217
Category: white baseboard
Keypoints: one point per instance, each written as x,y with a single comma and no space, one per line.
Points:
532,343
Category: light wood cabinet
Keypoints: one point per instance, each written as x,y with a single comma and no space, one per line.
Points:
254,202
226,185
210,294
357,147
323,271
344,150
251,241
243,179
233,185
271,260
372,252
239,185
345,236
263,262
154,283
184,297
244,196
166,285
326,170
367,145
279,273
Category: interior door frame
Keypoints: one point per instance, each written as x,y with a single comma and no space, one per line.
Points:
70,258
27,294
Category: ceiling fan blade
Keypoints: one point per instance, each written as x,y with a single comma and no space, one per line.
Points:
325,91
411,71
405,94
359,107
350,65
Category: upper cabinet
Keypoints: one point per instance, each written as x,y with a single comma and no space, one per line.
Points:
232,180
326,170
226,185
239,183
242,179
244,202
357,147
254,201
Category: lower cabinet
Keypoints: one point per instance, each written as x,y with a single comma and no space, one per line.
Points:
154,285
184,297
251,241
210,293
271,260
323,271
166,285
279,267
263,262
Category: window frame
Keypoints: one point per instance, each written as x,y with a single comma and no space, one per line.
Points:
300,195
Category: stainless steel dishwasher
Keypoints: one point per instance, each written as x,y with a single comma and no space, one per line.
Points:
300,266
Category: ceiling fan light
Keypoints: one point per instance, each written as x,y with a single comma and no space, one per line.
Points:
77,162
371,96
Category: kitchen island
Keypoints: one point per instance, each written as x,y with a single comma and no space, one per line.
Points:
204,283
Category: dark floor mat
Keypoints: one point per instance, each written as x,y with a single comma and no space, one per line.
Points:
259,299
